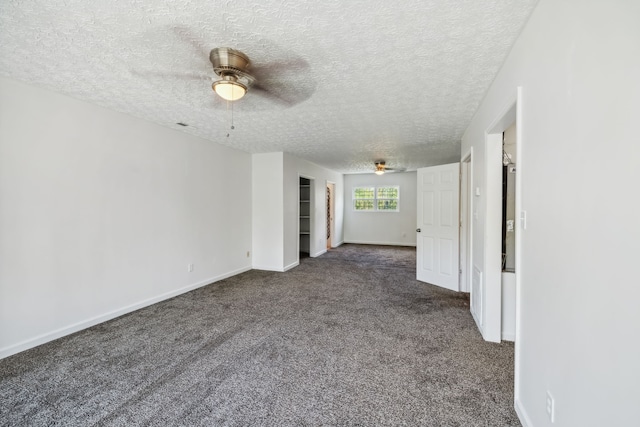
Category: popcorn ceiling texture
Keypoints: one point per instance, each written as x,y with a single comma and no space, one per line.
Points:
369,80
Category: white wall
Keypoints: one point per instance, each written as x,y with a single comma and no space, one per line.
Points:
100,214
275,209
294,168
382,228
578,64
268,241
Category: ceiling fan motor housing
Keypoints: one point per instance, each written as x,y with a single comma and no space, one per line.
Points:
228,61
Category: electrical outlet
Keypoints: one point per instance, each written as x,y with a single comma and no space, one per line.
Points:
551,407
189,268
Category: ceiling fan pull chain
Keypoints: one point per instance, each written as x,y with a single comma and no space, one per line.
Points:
232,119
232,127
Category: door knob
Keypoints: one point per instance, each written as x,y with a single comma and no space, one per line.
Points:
418,230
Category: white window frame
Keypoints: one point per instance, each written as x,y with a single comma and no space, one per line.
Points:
356,199
375,198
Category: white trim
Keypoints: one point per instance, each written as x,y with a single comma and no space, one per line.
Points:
84,324
292,265
492,310
332,208
312,194
518,260
323,251
508,337
522,414
362,242
340,243
468,159
475,319
268,268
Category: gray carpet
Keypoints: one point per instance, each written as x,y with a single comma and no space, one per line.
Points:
348,338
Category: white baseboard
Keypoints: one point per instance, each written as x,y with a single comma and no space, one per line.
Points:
267,268
340,243
475,319
508,337
522,414
292,265
362,242
84,324
324,251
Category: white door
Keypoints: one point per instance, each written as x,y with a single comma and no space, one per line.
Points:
438,222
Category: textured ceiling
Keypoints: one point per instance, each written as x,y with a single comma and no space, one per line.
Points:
357,81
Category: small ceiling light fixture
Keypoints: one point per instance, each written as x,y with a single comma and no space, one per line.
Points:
380,166
229,88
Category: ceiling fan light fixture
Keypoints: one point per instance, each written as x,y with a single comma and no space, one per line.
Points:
229,90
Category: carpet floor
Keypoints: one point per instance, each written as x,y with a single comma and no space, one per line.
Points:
347,338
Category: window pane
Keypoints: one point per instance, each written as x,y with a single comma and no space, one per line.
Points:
363,193
363,205
387,192
387,205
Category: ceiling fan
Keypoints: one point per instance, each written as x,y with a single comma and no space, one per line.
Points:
283,81
277,75
232,68
381,168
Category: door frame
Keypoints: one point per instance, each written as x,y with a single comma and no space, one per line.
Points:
512,112
466,224
332,213
311,215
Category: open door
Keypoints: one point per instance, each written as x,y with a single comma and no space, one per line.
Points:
438,225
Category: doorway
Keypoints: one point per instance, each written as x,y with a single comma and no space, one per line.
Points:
330,213
305,217
500,300
508,238
466,207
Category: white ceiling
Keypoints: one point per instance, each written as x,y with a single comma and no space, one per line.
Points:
362,80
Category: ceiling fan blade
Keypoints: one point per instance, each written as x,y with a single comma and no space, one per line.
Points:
288,90
274,96
185,34
271,69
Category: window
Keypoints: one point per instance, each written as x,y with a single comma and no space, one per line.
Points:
382,199
364,198
387,198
